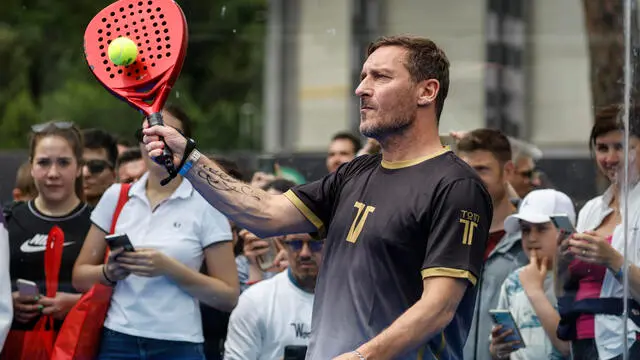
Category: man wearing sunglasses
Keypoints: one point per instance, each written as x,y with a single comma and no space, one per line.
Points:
99,155
276,313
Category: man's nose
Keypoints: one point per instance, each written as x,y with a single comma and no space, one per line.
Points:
305,252
85,171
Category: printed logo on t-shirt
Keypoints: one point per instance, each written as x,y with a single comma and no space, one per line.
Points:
303,331
38,243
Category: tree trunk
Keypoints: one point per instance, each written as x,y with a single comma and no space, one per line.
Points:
604,20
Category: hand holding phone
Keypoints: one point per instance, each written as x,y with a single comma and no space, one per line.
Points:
25,307
27,288
116,241
505,320
563,224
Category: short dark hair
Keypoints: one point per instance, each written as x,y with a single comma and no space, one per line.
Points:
128,156
180,114
491,140
281,185
229,166
99,139
425,60
345,135
125,141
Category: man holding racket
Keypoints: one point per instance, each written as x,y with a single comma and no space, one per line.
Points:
403,228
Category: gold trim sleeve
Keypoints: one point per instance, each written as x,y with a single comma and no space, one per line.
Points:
449,272
304,209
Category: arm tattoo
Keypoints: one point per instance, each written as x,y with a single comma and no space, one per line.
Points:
219,180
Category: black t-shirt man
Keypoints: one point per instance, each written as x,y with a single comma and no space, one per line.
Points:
28,231
390,225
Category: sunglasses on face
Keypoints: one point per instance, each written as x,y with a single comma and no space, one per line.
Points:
529,174
97,166
296,245
38,128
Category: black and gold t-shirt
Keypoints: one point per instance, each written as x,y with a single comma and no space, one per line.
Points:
388,226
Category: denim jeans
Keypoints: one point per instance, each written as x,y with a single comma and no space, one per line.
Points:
119,346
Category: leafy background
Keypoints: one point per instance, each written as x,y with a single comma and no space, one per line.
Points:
44,76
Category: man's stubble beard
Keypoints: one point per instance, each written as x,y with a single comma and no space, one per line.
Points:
383,128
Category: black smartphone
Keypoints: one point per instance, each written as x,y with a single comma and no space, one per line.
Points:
563,223
295,352
119,241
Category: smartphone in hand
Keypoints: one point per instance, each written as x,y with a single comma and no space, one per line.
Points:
504,318
27,288
563,223
116,241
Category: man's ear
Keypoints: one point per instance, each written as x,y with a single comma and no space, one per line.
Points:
509,169
427,92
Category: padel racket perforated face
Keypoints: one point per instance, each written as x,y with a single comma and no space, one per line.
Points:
159,29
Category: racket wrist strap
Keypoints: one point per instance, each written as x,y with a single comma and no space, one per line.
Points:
185,163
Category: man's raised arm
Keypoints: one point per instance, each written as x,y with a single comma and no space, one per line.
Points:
251,208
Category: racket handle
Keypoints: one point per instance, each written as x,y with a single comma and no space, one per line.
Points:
166,159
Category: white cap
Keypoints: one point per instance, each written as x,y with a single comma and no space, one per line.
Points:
538,206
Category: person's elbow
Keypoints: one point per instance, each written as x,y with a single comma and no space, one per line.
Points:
276,217
232,299
228,301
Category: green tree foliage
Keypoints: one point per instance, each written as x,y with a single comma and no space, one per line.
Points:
43,74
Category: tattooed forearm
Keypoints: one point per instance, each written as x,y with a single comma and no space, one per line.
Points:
219,180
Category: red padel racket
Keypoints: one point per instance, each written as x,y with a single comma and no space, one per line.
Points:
159,29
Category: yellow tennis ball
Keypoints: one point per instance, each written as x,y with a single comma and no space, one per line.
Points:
123,51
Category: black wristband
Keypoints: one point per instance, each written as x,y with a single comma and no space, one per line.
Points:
191,144
104,273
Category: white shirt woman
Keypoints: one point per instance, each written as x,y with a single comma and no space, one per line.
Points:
155,304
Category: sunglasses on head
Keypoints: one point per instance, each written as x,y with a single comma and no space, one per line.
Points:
296,245
38,128
97,166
